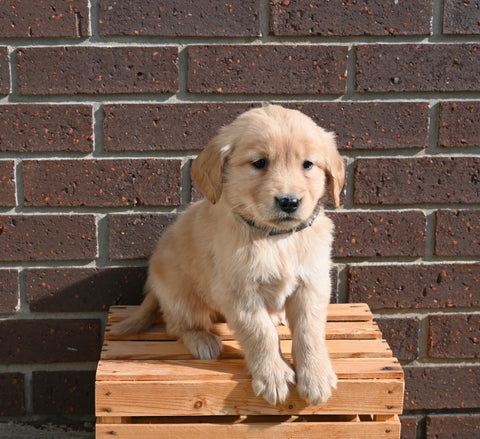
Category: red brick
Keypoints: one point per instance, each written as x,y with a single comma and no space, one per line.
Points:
376,17
63,392
4,72
461,17
8,291
46,128
270,69
442,387
401,335
47,237
417,180
409,427
49,341
83,289
369,234
417,67
135,236
415,286
36,18
97,70
105,183
186,18
463,340
7,184
458,426
379,125
459,124
153,127
457,233
13,385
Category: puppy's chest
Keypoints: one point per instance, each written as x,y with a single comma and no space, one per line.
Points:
274,270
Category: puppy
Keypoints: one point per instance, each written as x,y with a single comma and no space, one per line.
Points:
257,245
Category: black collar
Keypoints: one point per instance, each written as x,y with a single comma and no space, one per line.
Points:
272,231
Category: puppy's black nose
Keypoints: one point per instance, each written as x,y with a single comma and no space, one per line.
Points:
288,203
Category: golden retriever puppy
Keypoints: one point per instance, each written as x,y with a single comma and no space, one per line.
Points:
258,244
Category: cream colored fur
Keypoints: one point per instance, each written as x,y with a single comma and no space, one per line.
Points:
211,261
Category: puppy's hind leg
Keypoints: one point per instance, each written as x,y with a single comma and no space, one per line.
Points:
189,319
202,344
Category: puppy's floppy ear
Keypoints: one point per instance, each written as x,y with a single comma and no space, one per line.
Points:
207,169
335,169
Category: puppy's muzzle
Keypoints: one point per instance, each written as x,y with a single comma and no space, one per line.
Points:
288,203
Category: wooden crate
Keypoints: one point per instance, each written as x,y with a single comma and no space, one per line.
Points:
149,386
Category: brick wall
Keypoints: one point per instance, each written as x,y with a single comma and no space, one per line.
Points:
104,103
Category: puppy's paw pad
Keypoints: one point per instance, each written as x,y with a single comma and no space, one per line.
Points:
202,344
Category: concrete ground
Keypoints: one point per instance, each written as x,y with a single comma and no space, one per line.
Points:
11,430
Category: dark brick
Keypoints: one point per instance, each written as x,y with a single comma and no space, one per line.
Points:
7,183
8,291
368,234
83,289
141,127
12,387
409,427
442,387
417,180
49,341
459,124
376,17
47,237
63,392
415,286
4,72
187,18
401,335
414,67
369,125
106,183
460,426
461,17
457,233
46,128
334,280
135,236
270,69
37,18
463,340
97,70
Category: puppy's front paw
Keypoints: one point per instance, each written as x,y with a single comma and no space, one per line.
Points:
315,385
272,381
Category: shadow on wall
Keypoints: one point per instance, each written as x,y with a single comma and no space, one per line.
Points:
83,289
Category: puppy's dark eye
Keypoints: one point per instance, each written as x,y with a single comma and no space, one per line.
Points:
260,164
307,164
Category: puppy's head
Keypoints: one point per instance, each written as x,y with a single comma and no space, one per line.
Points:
272,165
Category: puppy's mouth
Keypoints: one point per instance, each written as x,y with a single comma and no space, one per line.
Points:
282,222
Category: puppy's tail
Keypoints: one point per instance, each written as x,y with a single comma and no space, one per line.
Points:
141,319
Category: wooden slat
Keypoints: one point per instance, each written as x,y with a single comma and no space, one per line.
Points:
160,350
334,331
171,370
331,430
236,397
345,312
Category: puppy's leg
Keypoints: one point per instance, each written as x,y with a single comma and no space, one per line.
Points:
202,344
189,319
254,329
307,314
